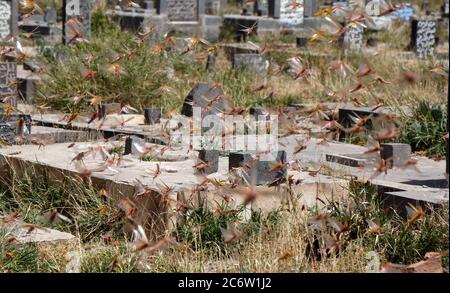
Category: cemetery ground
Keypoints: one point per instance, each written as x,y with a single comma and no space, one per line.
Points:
337,207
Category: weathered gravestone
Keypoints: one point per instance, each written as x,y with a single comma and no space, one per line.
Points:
212,7
152,115
79,10
258,169
310,7
205,96
8,18
211,160
445,9
353,38
288,13
8,75
13,125
262,7
423,37
251,62
396,154
51,16
184,10
6,133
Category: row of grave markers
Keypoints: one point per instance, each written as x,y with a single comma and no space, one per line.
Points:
422,37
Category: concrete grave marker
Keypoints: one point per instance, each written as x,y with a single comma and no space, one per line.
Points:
395,153
423,37
262,7
8,76
353,38
81,10
445,9
211,158
184,10
7,133
199,96
212,7
8,18
288,14
261,168
51,16
311,7
252,62
152,115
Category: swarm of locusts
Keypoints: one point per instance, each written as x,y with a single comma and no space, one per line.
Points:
373,129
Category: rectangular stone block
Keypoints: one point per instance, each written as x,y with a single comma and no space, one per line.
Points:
311,7
211,158
274,8
110,108
423,37
8,75
262,169
8,19
395,153
251,62
152,115
183,10
80,10
130,147
26,87
200,96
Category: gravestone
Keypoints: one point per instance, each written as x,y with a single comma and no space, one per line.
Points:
184,10
404,13
310,7
286,12
26,87
200,95
130,145
8,19
261,169
51,16
8,76
7,133
395,153
110,108
211,158
353,38
445,9
212,7
80,10
262,7
148,5
251,62
423,37
152,115
210,62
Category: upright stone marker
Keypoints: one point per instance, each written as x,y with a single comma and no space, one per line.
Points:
251,62
423,37
445,9
184,10
80,10
286,11
8,75
311,7
8,19
353,38
262,7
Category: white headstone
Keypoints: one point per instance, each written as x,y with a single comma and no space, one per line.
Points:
424,32
291,14
353,38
